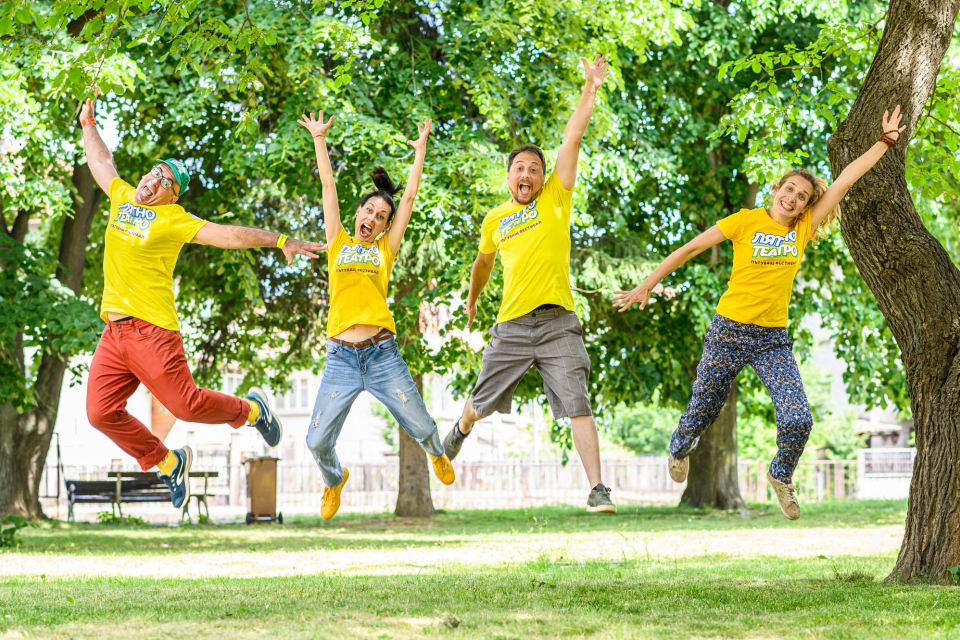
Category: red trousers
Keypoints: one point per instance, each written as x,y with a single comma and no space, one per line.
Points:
135,351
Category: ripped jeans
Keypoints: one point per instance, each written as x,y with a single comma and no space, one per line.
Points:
379,369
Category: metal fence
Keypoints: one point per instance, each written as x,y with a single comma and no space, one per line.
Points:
521,483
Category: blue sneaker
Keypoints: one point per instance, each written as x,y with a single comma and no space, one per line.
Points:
179,481
267,424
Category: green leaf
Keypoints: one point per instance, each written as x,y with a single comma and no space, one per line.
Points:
24,16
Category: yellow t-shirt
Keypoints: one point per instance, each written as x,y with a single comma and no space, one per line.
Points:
534,245
359,275
766,258
141,248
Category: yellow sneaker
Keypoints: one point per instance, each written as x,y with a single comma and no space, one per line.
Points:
443,469
331,498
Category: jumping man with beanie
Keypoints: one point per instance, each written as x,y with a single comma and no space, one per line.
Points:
141,342
536,325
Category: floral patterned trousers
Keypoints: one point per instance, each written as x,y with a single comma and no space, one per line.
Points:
728,347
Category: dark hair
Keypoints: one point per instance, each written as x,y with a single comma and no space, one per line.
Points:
384,189
527,148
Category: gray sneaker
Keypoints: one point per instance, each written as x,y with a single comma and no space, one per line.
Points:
787,495
453,441
678,468
599,500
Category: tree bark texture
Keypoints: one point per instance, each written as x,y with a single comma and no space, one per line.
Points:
414,499
25,439
916,285
713,480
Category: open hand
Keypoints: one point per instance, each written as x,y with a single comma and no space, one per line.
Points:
420,143
293,247
316,126
891,123
640,295
595,73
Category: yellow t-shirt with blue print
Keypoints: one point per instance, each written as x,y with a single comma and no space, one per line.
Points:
359,274
766,258
534,245
141,247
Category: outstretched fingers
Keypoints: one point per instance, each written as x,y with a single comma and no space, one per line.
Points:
423,130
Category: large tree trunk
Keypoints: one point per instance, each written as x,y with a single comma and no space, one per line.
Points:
25,439
916,285
414,499
713,480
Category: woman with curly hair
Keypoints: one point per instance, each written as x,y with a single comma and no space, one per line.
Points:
750,326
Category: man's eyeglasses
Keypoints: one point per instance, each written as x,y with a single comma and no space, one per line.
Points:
165,182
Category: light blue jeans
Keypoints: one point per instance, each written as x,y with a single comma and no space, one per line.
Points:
379,369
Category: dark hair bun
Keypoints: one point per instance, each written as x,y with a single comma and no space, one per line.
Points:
382,181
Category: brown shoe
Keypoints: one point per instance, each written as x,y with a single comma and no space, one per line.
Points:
678,468
787,495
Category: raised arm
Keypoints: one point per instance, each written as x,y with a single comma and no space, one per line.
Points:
233,237
641,294
855,170
331,205
593,76
99,158
405,208
479,276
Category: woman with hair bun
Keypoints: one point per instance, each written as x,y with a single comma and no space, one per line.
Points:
362,351
750,324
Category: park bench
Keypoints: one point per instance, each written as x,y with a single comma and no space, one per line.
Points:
133,487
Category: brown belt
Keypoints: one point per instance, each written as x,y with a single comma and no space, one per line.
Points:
384,334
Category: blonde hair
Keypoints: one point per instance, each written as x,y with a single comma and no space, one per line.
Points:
819,188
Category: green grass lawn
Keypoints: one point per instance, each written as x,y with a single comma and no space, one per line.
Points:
650,572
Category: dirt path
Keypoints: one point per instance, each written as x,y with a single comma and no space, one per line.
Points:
486,550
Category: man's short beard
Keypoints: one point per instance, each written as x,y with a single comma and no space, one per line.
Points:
533,196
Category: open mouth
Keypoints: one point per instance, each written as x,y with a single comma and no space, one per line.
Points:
788,208
146,192
366,231
524,190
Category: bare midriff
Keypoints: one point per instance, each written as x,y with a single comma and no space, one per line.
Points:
113,317
359,332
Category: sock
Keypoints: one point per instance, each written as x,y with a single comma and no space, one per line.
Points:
254,412
168,464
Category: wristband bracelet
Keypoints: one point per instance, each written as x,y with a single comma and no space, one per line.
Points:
282,240
887,140
87,121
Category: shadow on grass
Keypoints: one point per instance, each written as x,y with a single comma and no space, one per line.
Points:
707,597
363,532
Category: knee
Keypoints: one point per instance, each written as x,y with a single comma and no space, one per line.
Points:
472,414
320,446
799,425
99,417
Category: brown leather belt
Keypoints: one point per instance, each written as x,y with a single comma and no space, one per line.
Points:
383,334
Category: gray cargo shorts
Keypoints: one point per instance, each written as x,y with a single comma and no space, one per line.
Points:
550,340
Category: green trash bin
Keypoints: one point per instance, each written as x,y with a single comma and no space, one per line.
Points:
262,490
